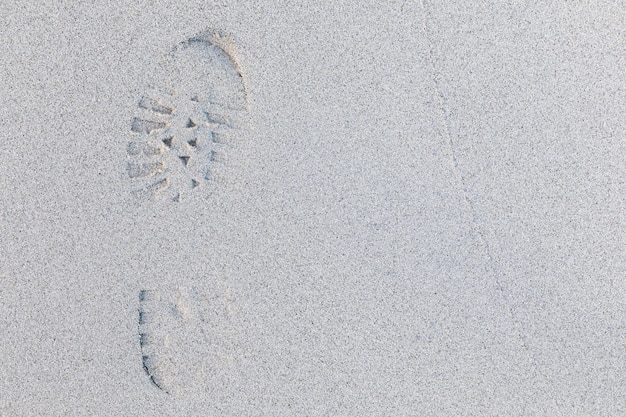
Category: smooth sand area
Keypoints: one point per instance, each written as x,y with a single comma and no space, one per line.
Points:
330,208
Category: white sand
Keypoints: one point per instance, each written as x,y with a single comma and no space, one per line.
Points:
424,214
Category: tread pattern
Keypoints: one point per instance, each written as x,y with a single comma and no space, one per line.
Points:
180,137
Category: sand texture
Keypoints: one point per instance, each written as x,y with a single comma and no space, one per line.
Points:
330,208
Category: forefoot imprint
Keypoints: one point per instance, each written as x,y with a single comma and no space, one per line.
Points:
182,131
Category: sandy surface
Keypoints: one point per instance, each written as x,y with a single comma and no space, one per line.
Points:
420,211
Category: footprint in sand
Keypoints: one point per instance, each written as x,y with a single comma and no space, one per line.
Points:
181,135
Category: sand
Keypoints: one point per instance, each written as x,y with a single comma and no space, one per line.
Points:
300,209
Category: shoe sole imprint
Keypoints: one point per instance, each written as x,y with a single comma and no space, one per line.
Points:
185,337
181,135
